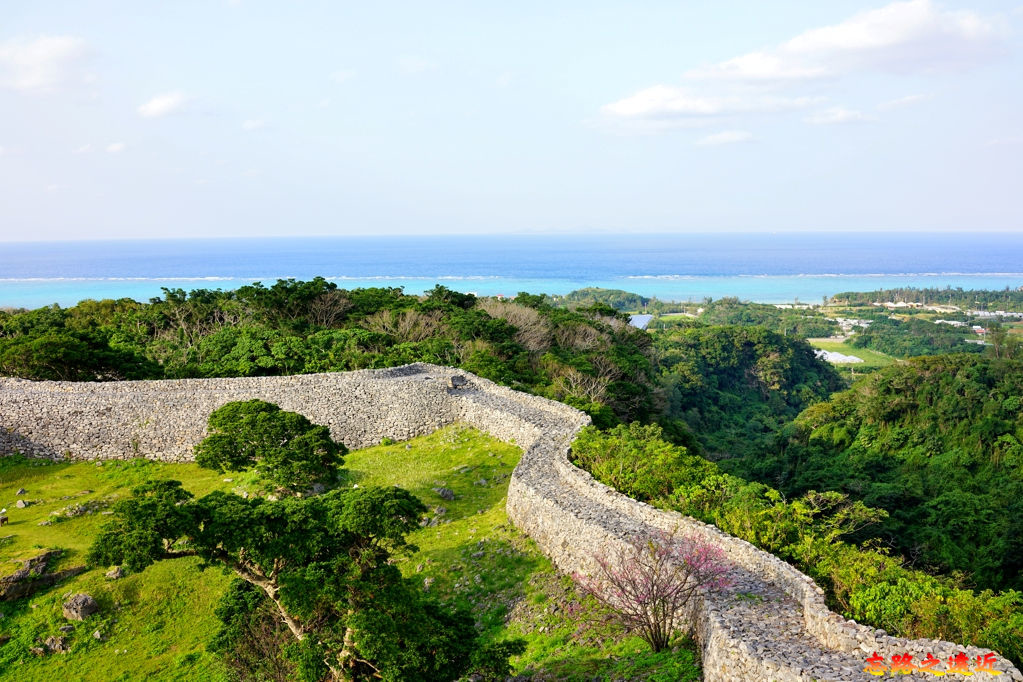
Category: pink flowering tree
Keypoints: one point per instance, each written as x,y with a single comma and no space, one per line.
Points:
649,582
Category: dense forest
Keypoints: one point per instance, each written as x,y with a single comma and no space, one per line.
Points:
916,467
793,322
735,386
936,442
913,337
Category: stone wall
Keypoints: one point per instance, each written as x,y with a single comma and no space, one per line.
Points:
771,624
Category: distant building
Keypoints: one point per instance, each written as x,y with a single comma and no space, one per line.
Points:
640,321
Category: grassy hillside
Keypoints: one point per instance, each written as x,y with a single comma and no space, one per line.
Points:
156,624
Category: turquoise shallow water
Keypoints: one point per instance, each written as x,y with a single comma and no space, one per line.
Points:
766,289
760,267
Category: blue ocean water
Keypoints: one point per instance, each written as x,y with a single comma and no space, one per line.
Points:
759,267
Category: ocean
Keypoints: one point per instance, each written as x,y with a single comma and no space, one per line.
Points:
769,268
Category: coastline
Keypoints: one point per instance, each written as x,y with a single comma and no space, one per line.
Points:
805,288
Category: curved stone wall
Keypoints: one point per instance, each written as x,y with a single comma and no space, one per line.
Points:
771,624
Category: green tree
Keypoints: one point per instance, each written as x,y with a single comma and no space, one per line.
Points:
323,562
290,453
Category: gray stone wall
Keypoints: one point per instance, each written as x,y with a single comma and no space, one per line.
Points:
771,624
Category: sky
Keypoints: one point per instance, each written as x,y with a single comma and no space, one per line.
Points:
129,119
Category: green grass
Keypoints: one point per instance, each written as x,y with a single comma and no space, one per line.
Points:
871,359
155,624
475,557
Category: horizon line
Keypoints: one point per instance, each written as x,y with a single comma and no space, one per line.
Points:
545,233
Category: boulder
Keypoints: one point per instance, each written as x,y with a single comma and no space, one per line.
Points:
457,381
21,491
21,504
445,493
58,644
80,607
115,573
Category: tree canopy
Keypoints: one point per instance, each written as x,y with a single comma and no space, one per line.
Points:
323,564
290,453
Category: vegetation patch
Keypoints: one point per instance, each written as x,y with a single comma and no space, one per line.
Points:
158,623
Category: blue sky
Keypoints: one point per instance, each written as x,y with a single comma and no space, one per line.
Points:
223,118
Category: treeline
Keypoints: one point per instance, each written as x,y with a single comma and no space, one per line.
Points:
913,337
936,442
588,357
810,531
795,322
616,298
969,299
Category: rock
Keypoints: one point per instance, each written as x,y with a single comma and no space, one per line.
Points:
80,607
457,381
426,583
45,523
21,504
97,635
445,493
38,650
115,573
57,644
21,491
67,628
482,482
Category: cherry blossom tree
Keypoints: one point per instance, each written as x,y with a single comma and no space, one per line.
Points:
649,582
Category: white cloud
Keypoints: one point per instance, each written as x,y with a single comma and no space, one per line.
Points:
902,102
163,104
837,115
665,101
116,147
40,64
725,137
412,64
252,124
84,149
342,75
903,36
